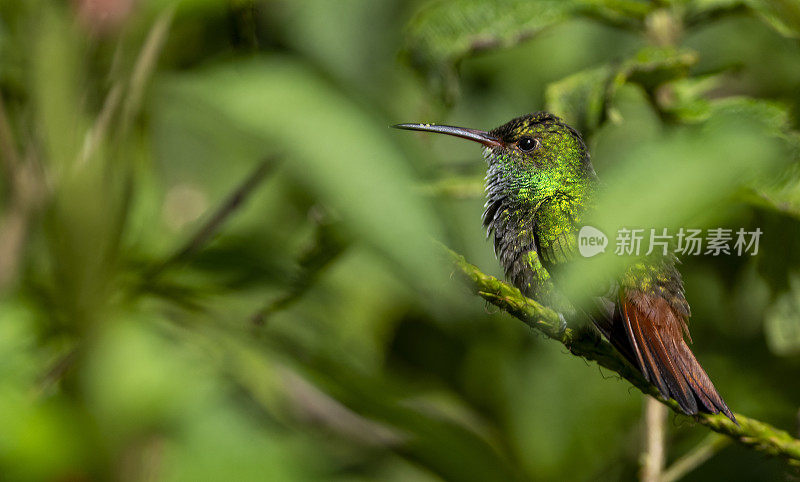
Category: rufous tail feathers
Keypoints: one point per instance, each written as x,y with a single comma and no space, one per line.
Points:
648,331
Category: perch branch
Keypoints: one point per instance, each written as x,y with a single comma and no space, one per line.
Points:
587,344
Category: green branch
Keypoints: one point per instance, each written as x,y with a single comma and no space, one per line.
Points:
588,344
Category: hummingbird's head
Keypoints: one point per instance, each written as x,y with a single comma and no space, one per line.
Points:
530,157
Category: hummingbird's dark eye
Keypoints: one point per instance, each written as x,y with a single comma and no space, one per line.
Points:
527,144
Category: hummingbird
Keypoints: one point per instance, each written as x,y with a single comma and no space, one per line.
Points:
540,185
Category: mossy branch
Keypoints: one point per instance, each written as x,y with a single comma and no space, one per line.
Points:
587,344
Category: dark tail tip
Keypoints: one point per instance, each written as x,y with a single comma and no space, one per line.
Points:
654,340
706,397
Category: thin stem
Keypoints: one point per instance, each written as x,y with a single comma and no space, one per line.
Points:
145,64
26,189
142,70
57,371
223,212
8,151
655,417
710,445
327,245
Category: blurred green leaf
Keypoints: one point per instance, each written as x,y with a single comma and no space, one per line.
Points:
446,31
783,197
780,193
652,66
772,116
582,98
225,445
781,15
332,147
132,399
686,99
370,409
57,76
782,321
431,438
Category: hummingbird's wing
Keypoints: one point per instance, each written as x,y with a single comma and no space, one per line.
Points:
512,232
557,222
644,315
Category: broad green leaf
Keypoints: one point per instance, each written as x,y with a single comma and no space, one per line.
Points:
444,32
781,15
330,145
783,196
580,98
700,11
781,193
57,75
652,66
688,101
772,115
447,31
685,98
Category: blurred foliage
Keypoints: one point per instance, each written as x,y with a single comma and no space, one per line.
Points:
168,314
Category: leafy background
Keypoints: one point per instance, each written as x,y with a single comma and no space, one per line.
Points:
316,333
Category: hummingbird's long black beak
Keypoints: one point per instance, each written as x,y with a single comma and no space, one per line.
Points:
462,132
